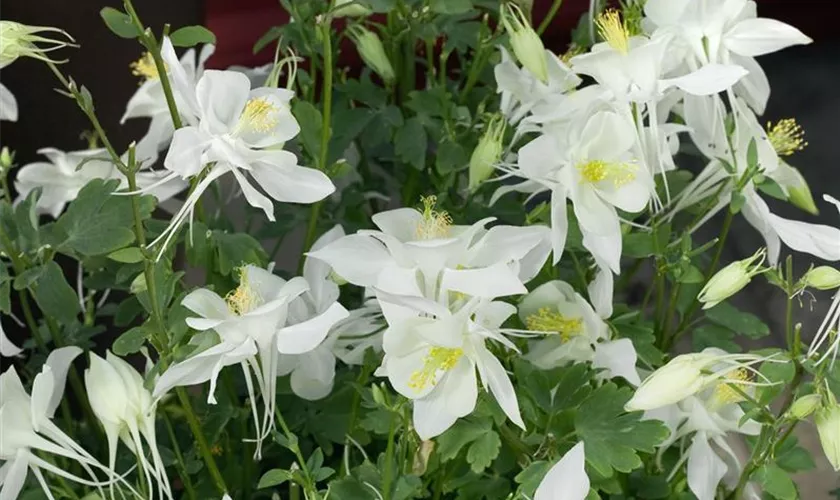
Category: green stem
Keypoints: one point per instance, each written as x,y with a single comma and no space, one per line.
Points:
181,464
549,16
310,492
201,441
789,307
389,458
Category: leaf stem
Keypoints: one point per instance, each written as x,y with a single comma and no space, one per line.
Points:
389,458
182,468
294,446
549,16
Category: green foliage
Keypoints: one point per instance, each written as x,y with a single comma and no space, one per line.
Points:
119,23
189,36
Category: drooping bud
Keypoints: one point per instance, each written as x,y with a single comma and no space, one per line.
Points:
487,154
804,406
828,426
19,40
526,43
350,8
731,279
822,278
799,194
373,52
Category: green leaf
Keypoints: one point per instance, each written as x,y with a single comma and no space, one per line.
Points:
274,477
268,37
451,156
236,250
97,222
644,340
459,435
737,203
772,188
131,341
451,6
54,295
776,482
119,23
752,154
25,279
130,255
637,245
189,36
483,451
26,222
349,488
739,322
691,275
613,437
714,336
5,290
410,143
309,119
793,458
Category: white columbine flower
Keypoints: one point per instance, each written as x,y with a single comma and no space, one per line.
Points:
575,333
432,355
567,479
149,100
313,373
126,410
723,31
253,330
829,330
8,105
28,430
241,131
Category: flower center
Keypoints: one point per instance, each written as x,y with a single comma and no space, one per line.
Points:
438,359
786,137
595,171
244,299
546,320
724,392
613,30
145,67
259,115
435,224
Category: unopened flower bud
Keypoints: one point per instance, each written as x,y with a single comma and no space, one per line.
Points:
822,278
526,43
731,279
373,52
7,159
828,427
350,8
799,194
486,155
19,40
804,406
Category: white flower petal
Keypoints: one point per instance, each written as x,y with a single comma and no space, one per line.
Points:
498,280
254,197
709,79
185,155
431,416
618,357
203,366
13,474
8,105
313,377
759,36
7,348
705,469
356,258
567,479
460,388
496,379
221,97
303,337
284,180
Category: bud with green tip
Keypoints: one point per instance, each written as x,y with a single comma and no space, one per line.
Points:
822,278
731,279
827,420
526,43
799,194
7,158
349,8
487,154
19,40
804,406
373,52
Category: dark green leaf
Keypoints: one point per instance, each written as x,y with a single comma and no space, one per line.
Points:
737,203
776,482
714,336
459,435
638,244
274,477
483,451
451,6
55,296
119,23
451,156
268,37
189,36
131,341
739,322
236,250
411,142
309,119
129,255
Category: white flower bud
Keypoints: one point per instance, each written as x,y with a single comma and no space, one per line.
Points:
822,278
18,40
350,8
804,406
373,52
486,155
526,43
731,279
7,158
828,427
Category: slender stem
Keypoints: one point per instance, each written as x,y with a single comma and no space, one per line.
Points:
789,305
201,441
182,469
667,339
389,458
549,16
309,487
151,45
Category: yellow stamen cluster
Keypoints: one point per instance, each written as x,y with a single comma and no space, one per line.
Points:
435,223
145,67
786,136
259,115
244,299
724,393
546,320
613,30
595,171
438,359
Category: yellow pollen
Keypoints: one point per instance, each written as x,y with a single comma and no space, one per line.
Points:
786,137
595,171
724,393
435,224
438,359
216,450
546,320
145,67
244,299
613,30
259,115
